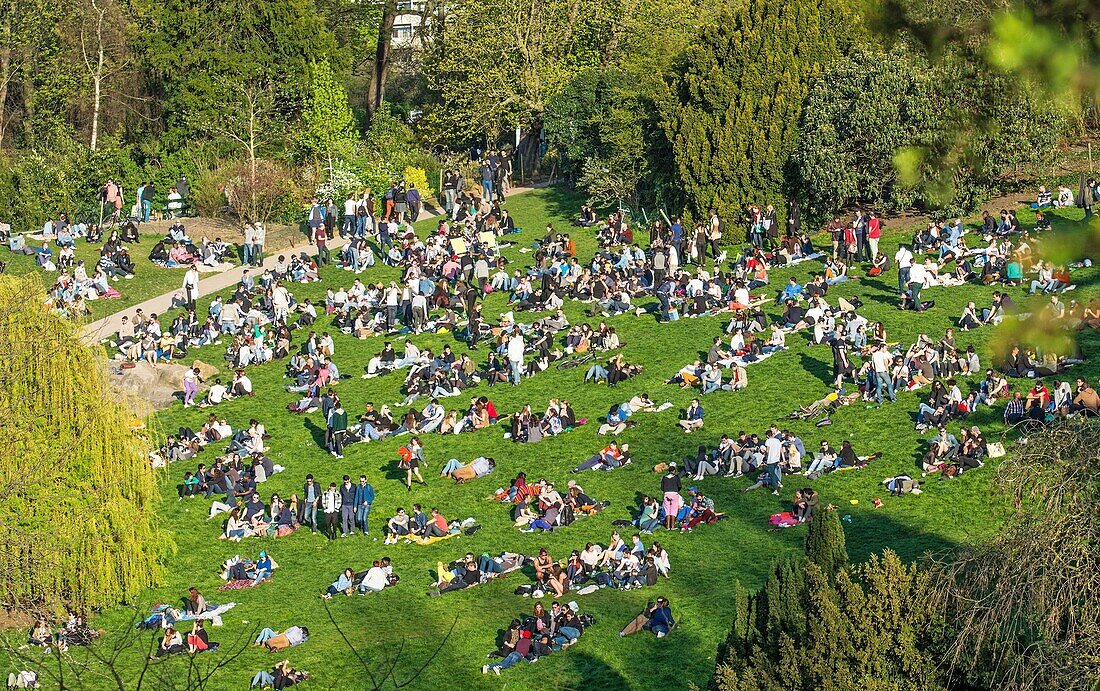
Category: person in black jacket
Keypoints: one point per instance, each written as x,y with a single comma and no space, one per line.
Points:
794,219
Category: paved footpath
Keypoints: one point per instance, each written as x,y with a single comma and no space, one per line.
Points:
104,328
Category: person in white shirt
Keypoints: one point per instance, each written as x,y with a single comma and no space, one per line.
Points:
515,357
904,259
881,360
216,394
917,278
377,577
774,448
191,286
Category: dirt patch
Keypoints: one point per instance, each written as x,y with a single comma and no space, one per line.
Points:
278,236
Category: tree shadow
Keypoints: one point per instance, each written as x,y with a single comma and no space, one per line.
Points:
817,368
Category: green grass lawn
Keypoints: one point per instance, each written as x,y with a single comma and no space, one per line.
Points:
149,279
402,626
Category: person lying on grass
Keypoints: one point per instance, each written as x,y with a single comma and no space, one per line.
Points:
470,570
539,635
275,641
610,457
461,473
280,677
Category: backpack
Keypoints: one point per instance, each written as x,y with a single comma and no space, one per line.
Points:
567,516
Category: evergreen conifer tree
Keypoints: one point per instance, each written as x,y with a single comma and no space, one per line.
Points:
736,100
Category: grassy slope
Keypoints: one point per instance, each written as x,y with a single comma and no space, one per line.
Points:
705,564
149,279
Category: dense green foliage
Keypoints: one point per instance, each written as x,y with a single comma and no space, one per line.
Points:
76,518
870,105
820,623
737,96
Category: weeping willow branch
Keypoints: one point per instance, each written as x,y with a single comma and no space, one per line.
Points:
78,494
1025,606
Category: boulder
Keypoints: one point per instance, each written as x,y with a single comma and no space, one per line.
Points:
158,387
206,372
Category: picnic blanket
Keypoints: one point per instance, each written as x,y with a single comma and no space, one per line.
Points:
241,584
783,520
421,540
214,616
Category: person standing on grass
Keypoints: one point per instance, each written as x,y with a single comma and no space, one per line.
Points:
774,448
904,260
330,506
670,488
347,507
311,494
515,356
190,386
882,361
191,286
364,497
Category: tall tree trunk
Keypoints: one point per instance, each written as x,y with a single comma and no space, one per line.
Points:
377,89
98,87
5,79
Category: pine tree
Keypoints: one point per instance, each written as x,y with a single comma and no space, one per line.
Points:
736,100
818,623
825,544
77,491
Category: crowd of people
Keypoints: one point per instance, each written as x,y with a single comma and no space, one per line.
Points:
682,272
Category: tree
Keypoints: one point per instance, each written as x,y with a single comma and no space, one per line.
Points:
812,628
493,65
249,119
376,91
1024,606
736,94
597,128
77,491
825,543
187,49
102,50
328,128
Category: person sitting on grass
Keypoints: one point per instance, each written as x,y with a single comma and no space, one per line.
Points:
345,584
693,417
171,643
274,641
396,527
656,617
198,640
377,577
701,511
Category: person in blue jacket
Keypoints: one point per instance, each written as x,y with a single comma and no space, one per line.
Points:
364,497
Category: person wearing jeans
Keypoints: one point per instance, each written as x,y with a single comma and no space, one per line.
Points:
364,497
